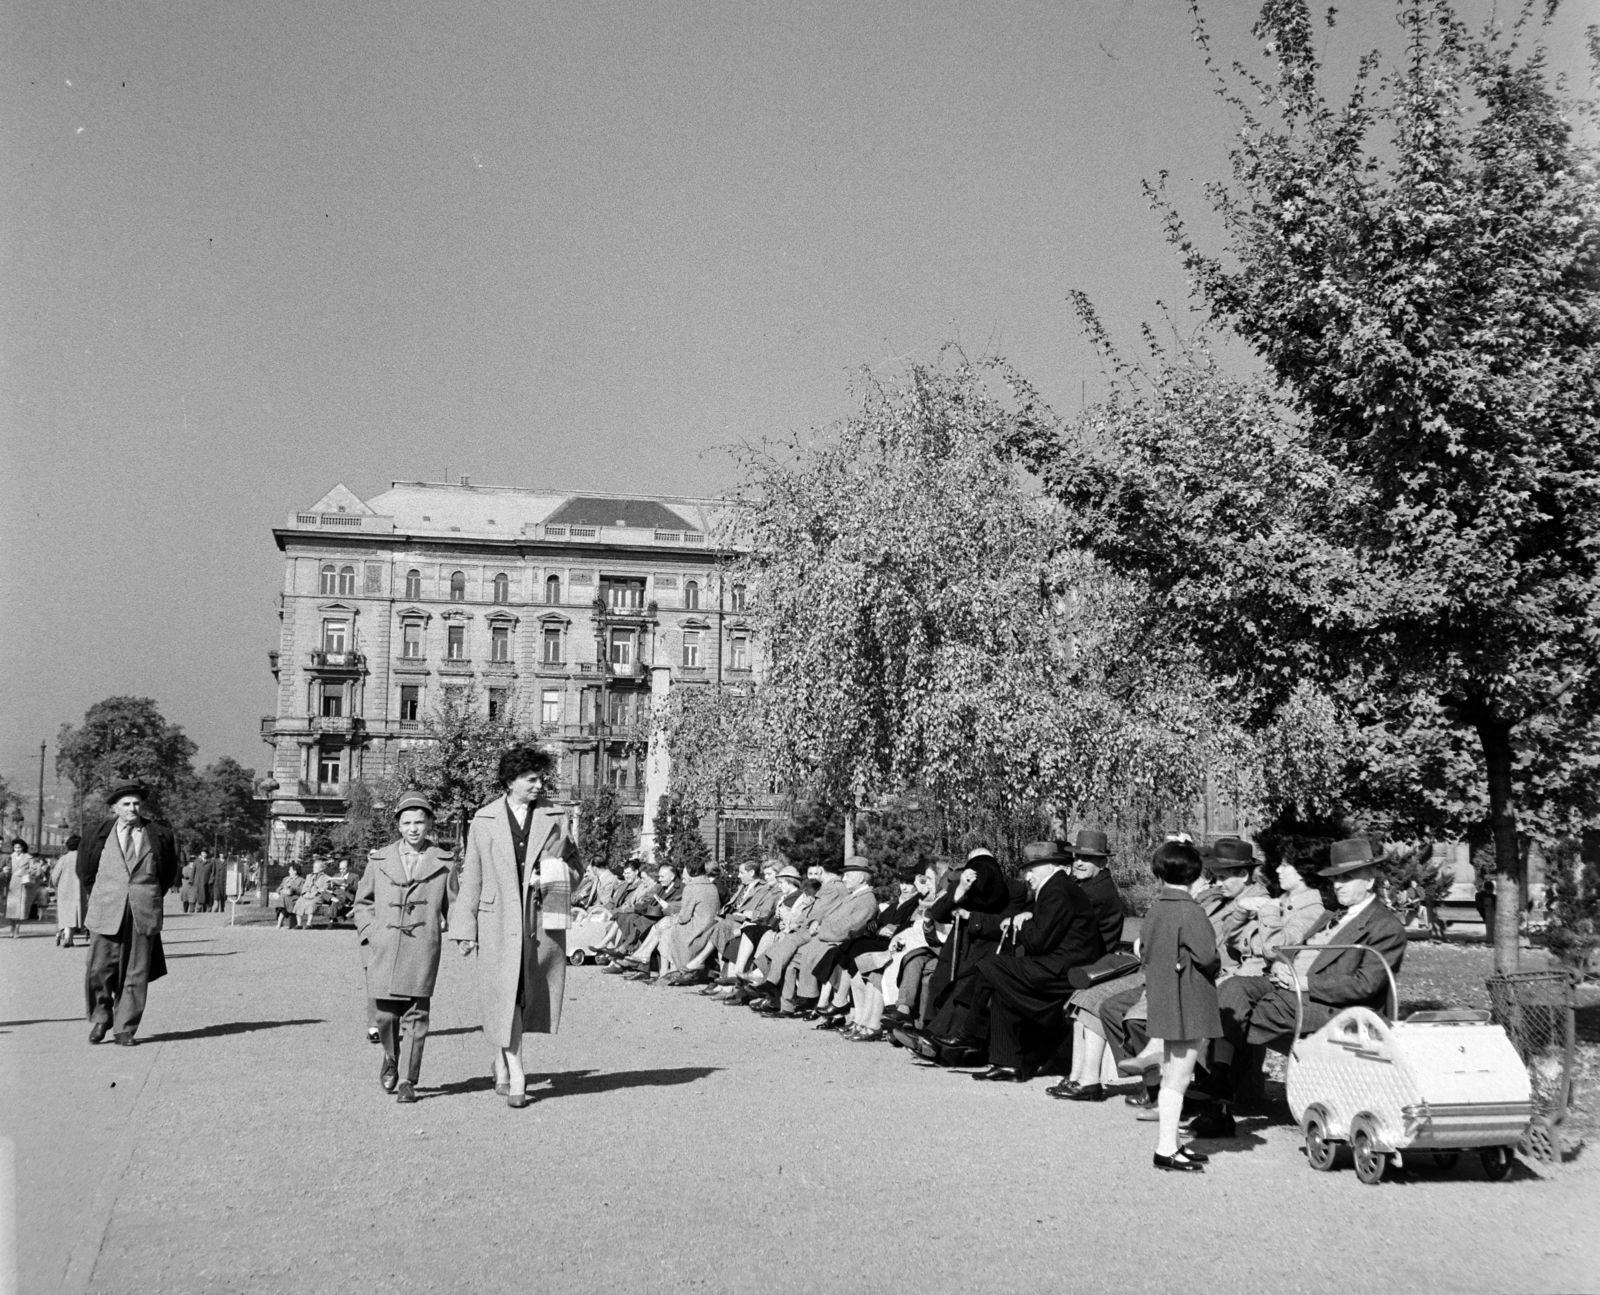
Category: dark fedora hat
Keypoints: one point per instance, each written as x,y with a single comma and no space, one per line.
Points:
1037,853
1090,844
126,787
1231,852
1347,856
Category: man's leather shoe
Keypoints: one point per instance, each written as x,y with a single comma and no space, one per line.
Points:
1005,1075
405,1094
1212,1123
124,1040
1080,1093
97,1031
1144,1099
389,1076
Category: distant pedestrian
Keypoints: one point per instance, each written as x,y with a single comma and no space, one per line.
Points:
515,906
200,886
1181,963
219,885
69,894
186,888
126,869
402,904
27,880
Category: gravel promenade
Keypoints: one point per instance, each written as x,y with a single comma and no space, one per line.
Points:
674,1145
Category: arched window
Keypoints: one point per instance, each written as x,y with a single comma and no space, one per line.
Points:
347,581
552,590
502,588
736,598
330,580
691,595
413,583
458,586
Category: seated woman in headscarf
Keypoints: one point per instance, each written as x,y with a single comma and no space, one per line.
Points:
975,904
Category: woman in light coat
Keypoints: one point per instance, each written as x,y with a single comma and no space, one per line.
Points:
27,879
69,894
513,910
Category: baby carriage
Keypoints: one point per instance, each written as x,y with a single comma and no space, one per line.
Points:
1439,1082
585,933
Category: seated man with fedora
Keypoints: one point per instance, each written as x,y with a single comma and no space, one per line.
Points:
1260,1010
1027,1019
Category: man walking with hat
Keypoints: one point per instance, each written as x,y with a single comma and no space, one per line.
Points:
125,870
1027,1018
1259,1010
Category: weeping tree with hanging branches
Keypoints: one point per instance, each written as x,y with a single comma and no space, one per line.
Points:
926,628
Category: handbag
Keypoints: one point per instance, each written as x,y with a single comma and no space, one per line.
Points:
1109,967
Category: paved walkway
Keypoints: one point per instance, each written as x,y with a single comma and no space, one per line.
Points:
675,1145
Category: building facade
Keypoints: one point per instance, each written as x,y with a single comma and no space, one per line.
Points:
579,612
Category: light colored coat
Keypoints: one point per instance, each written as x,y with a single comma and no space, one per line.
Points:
489,910
69,894
400,920
695,920
121,885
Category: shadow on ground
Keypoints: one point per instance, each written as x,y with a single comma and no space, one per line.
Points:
578,1083
585,1083
226,1028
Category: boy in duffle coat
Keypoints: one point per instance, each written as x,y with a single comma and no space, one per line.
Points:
401,908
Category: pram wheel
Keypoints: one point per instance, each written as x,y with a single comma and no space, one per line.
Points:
1320,1152
1496,1162
577,957
1371,1163
1539,1142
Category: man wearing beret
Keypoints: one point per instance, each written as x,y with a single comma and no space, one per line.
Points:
125,870
1259,1010
402,905
1027,1013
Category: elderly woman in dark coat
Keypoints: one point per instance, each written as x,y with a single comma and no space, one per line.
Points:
1181,963
976,903
513,910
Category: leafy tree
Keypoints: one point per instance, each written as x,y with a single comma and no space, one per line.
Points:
368,824
124,737
813,833
678,838
1572,872
1419,267
320,842
604,834
925,625
216,809
456,759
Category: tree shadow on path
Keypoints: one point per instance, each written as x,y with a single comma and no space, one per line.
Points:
226,1028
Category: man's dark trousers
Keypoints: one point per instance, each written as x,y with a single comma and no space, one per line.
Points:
403,1029
119,976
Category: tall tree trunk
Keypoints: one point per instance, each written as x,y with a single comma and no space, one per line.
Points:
1495,735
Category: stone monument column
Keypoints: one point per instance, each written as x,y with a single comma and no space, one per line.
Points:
658,769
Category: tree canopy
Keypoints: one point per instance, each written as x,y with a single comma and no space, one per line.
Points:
124,737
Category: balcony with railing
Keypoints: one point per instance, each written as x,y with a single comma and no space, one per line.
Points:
307,789
335,662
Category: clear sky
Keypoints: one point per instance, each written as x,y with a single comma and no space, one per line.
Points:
252,250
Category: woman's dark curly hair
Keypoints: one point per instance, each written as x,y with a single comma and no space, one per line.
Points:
524,759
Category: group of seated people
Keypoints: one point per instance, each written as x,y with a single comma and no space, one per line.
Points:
970,968
301,900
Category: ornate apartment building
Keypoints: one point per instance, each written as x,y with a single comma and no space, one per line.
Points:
580,610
